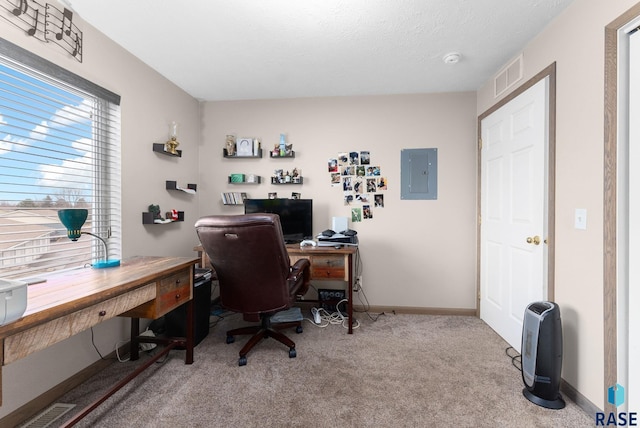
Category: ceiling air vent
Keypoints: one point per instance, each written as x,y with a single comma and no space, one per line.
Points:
508,76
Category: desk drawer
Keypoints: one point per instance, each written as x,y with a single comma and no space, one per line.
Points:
328,267
24,343
86,318
173,291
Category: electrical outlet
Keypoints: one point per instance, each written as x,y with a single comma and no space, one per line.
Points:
358,284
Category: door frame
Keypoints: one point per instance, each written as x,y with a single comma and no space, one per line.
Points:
610,198
549,72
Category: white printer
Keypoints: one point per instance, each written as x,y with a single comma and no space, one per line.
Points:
13,300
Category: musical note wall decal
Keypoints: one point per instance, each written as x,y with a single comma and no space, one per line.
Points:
22,8
25,15
32,30
77,50
66,34
44,22
67,15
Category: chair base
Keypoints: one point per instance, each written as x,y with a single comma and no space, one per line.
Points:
263,331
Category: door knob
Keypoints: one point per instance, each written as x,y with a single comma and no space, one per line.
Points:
535,240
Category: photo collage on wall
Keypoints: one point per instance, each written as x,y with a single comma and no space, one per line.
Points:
361,181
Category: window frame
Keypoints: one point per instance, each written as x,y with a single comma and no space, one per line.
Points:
106,179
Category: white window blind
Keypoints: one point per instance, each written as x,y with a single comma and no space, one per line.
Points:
59,148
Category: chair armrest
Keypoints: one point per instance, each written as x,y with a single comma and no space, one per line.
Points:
299,276
301,267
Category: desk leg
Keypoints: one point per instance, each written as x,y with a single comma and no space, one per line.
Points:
188,359
350,294
188,341
135,331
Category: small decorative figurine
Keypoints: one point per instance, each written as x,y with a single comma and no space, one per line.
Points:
231,145
155,210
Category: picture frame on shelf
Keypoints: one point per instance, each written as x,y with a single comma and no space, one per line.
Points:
273,195
244,147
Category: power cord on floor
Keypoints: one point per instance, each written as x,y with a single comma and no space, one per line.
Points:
120,359
514,358
345,319
331,318
321,315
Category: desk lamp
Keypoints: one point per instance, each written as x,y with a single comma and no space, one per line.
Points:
73,219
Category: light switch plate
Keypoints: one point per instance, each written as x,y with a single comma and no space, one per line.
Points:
581,219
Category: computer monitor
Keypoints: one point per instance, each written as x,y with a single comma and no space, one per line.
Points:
296,215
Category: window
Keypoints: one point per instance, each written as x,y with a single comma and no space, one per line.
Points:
59,148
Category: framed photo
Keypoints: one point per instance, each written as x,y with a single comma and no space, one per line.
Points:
295,195
244,147
273,195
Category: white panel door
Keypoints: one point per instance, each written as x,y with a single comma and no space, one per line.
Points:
513,253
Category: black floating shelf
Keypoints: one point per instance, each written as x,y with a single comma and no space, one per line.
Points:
173,185
258,156
290,155
147,218
275,181
159,148
258,181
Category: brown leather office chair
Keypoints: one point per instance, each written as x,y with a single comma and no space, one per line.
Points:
254,272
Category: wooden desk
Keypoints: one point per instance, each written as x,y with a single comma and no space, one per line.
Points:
73,301
327,264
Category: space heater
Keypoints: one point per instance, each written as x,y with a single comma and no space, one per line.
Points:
542,354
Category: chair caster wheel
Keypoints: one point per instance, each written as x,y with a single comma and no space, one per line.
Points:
242,361
299,329
292,353
230,339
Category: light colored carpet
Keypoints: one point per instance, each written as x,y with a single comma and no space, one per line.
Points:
400,371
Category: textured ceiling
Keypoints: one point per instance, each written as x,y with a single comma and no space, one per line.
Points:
257,49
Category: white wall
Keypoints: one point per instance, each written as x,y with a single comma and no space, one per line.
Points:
575,40
415,253
149,103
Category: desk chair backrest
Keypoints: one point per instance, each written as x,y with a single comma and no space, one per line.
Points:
250,259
